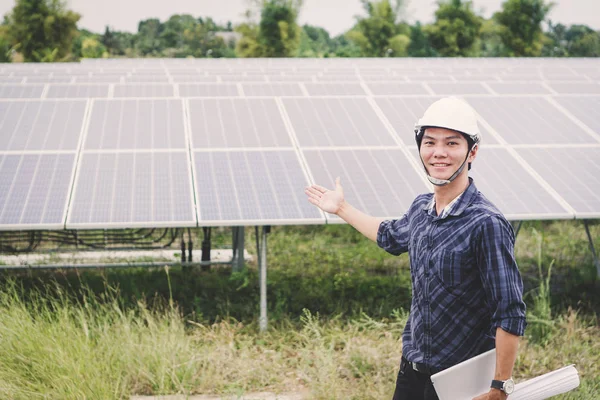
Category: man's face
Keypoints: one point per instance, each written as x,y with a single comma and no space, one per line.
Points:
443,151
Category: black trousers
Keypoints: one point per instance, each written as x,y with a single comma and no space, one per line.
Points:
413,385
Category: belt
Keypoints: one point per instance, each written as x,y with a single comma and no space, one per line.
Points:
423,368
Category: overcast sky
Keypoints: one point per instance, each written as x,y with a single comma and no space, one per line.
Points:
336,16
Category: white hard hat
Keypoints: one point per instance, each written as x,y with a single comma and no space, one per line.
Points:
450,113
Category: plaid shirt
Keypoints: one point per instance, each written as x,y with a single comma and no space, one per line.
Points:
465,280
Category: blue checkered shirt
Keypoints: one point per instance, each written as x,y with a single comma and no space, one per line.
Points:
465,280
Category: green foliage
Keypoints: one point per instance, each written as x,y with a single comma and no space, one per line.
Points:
541,325
379,34
92,48
521,30
43,30
314,42
419,43
5,46
278,31
490,39
148,37
456,29
277,34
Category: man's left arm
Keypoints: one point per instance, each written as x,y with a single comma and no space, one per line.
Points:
507,345
503,285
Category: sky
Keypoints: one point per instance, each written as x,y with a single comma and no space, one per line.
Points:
336,16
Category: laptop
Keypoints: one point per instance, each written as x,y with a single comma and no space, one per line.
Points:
468,379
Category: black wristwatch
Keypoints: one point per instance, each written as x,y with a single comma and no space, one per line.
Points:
507,386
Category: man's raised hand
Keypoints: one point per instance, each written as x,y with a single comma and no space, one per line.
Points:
327,200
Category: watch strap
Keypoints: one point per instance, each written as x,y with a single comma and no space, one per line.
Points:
497,384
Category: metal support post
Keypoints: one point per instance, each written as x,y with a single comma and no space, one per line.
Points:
517,228
596,261
262,322
206,244
238,262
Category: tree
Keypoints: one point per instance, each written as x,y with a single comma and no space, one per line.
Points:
490,39
148,37
92,48
582,41
278,31
43,30
521,30
314,42
277,34
419,43
379,34
456,29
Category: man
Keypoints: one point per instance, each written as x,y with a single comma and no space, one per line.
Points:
467,290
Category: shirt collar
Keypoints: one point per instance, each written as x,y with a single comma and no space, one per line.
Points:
458,205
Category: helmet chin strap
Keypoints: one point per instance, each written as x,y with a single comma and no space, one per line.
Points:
444,182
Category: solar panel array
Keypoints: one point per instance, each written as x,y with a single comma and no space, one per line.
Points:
147,143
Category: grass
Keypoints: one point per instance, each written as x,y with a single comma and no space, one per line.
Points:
335,304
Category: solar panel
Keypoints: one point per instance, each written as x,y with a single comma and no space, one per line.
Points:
574,173
518,88
330,122
584,108
272,89
382,183
457,88
77,91
11,79
193,78
140,189
229,123
528,120
252,187
34,189
575,87
98,79
44,79
335,89
146,79
41,125
136,124
394,88
21,91
150,90
208,90
500,177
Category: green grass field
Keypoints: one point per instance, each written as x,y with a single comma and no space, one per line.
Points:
336,309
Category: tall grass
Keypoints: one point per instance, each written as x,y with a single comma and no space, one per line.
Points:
336,306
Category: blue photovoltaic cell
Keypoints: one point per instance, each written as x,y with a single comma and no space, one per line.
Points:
574,173
41,125
500,177
21,91
34,189
251,186
232,123
584,108
148,90
208,90
141,189
77,91
382,183
529,120
326,122
136,124
334,89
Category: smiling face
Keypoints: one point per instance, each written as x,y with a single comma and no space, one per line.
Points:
443,151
